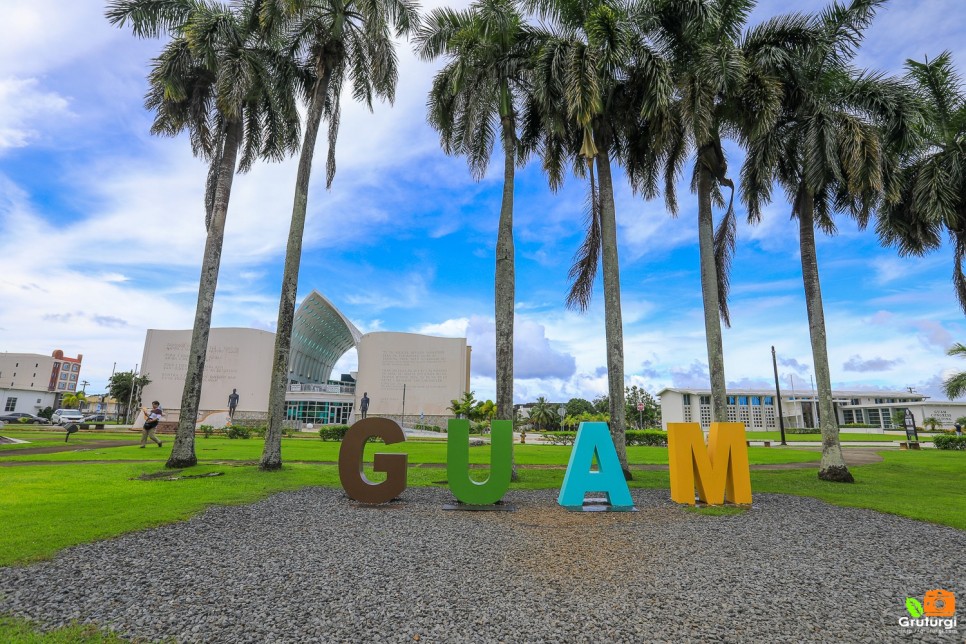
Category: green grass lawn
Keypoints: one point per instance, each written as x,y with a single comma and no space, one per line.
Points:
297,449
20,631
45,508
56,438
843,436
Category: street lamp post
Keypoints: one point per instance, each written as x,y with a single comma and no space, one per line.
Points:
778,396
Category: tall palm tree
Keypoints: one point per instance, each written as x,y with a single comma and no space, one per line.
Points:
474,99
826,152
342,41
219,80
595,71
725,85
931,179
955,386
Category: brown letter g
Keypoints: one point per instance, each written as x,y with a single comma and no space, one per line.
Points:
354,480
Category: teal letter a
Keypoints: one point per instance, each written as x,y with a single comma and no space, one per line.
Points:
594,438
458,462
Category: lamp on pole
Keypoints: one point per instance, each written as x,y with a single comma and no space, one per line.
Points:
778,396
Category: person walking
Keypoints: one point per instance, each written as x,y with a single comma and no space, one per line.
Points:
152,418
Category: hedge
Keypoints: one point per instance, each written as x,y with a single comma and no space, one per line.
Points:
950,442
333,432
632,437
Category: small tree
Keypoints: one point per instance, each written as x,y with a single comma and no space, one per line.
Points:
650,416
578,406
931,423
464,405
125,386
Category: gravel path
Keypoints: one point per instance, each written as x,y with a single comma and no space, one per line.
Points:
312,566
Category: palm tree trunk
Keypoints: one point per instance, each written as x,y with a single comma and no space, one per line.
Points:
272,453
504,288
832,467
183,452
613,326
709,294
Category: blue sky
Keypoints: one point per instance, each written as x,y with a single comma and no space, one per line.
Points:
102,231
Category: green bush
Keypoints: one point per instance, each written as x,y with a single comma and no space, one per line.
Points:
207,430
560,438
803,430
428,428
238,431
850,426
260,431
333,432
652,438
950,442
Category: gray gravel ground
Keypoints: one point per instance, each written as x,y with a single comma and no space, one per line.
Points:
312,566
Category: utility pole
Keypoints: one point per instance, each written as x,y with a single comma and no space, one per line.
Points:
778,396
402,419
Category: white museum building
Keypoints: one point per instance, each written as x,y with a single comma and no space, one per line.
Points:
757,408
403,374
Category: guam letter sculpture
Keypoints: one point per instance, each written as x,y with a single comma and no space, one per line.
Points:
594,438
354,481
719,471
465,488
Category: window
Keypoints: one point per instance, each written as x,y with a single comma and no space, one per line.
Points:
855,401
756,400
769,400
73,376
743,400
687,399
11,404
76,367
63,376
705,400
60,385
731,400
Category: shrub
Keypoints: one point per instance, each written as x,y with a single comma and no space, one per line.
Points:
803,430
260,431
333,432
649,437
207,430
950,442
238,431
428,428
852,426
560,438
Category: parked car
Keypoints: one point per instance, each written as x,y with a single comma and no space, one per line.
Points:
64,416
95,418
16,417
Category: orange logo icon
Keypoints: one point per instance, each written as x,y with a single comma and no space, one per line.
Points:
939,603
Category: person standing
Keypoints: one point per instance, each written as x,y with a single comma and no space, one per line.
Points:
151,420
232,403
959,429
364,404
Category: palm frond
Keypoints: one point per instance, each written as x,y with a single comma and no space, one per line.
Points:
583,272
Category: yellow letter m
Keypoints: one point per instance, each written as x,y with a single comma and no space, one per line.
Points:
719,471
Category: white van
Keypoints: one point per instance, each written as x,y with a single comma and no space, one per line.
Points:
64,416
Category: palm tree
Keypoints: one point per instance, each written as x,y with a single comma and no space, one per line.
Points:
595,71
826,152
342,41
541,414
474,98
461,407
217,79
955,386
725,85
931,193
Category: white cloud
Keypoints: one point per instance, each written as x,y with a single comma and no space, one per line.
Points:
24,108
